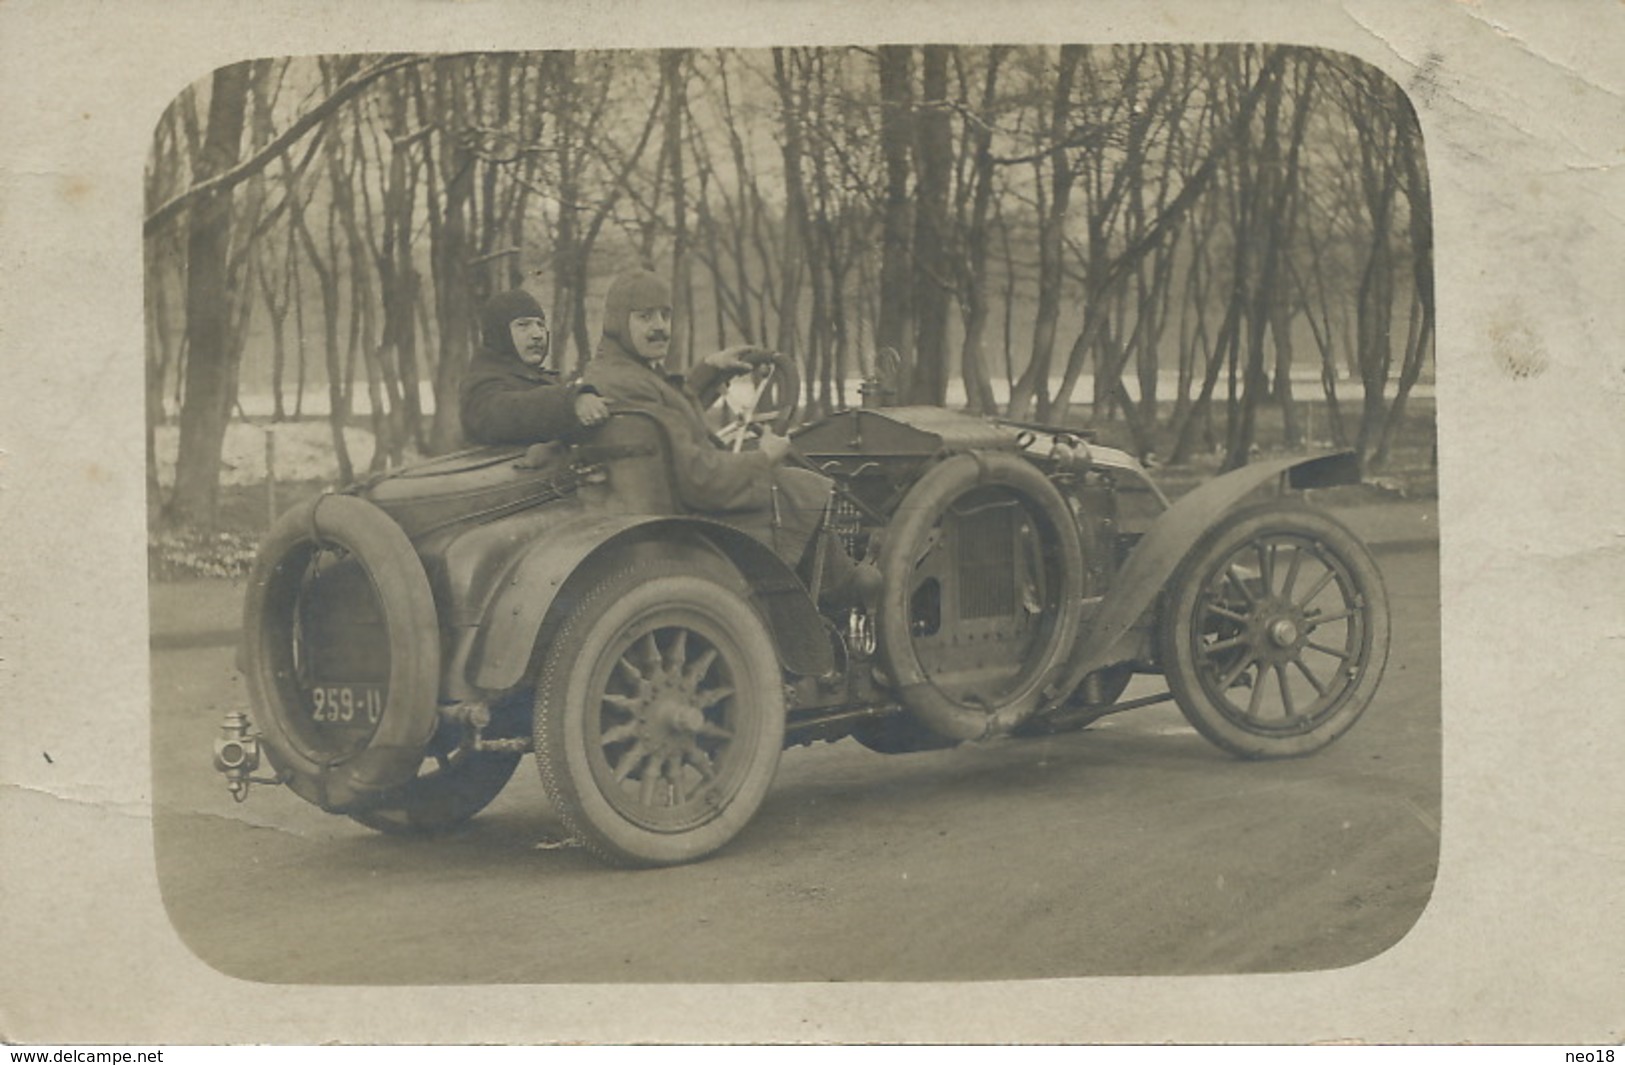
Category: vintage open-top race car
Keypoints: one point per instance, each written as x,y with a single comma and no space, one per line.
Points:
409,639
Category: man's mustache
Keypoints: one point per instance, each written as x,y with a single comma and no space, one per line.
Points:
659,335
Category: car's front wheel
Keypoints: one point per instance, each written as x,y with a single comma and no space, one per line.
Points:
1275,633
659,715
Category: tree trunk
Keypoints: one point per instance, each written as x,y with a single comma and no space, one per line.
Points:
1376,293
449,253
1228,337
933,163
338,400
560,89
347,174
1034,381
274,291
209,378
1269,195
1280,306
973,300
398,274
1420,342
894,327
1009,293
793,252
674,72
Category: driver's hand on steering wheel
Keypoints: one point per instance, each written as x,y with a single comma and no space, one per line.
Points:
774,446
741,358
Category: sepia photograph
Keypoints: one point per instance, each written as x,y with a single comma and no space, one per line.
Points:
949,529
881,489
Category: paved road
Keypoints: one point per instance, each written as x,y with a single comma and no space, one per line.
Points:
1130,848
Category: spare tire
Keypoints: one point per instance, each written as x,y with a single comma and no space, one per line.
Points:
341,652
983,592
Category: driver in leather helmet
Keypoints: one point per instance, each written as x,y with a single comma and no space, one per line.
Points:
742,488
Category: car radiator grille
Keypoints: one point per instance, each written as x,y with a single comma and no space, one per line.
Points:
987,572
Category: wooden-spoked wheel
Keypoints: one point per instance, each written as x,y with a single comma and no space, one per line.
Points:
1276,633
659,716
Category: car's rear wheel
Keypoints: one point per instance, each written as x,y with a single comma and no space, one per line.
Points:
1275,634
659,715
453,784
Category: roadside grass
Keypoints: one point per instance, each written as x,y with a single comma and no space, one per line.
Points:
228,549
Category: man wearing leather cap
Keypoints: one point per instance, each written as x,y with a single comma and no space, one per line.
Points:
508,395
752,489
628,367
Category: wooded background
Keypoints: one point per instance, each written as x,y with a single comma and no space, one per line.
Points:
1179,228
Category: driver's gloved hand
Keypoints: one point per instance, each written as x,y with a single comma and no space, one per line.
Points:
774,446
741,358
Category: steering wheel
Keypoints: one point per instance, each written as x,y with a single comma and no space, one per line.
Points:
769,395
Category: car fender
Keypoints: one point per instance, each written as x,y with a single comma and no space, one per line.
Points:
517,611
1171,537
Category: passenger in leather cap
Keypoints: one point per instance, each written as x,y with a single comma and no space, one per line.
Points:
508,394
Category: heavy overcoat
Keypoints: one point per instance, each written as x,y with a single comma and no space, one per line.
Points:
782,507
708,478
505,400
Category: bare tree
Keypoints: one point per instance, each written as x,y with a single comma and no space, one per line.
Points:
674,73
894,324
1419,338
1051,160
580,88
793,250
828,201
165,262
209,376
973,203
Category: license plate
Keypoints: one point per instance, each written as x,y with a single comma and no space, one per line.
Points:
347,706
